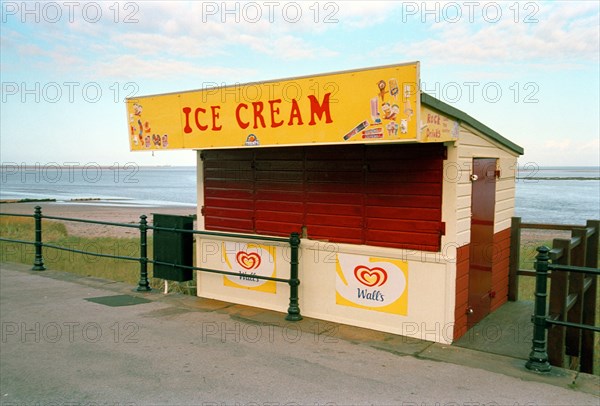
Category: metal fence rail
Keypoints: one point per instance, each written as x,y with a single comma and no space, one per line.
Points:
144,284
581,344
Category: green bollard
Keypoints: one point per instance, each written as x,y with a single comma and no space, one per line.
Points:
538,358
143,284
38,263
294,308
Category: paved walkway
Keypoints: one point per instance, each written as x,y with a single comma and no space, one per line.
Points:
68,340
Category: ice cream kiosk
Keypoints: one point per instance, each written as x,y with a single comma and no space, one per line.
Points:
403,203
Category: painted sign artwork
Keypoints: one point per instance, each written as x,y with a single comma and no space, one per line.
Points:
371,283
436,127
367,105
249,261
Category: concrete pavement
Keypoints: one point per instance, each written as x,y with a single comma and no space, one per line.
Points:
69,340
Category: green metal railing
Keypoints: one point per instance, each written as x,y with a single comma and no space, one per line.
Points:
538,358
144,284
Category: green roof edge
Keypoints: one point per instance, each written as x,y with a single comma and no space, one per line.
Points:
442,107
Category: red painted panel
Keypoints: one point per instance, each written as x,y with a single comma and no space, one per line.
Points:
404,151
428,202
394,225
279,186
279,176
222,174
283,154
336,234
335,209
228,213
276,228
228,184
405,165
338,220
429,189
462,291
228,154
335,153
266,205
228,224
416,213
231,165
278,196
229,194
347,178
279,165
279,216
226,203
395,190
403,237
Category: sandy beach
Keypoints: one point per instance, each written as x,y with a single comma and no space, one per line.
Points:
99,212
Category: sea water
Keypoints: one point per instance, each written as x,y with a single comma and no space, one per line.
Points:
558,195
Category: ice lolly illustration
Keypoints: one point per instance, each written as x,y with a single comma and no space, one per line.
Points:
375,111
407,108
361,126
394,88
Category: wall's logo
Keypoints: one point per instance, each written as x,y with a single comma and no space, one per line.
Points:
250,261
370,276
379,284
247,260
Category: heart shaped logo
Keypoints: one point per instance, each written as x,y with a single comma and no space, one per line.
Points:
248,260
370,276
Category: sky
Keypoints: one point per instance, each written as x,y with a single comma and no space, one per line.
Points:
529,70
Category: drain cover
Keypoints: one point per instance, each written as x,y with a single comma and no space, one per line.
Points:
118,300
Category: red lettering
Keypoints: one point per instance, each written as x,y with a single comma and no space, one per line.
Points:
258,108
243,125
200,126
215,115
187,129
295,113
274,111
318,110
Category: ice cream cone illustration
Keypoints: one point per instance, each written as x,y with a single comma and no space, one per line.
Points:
394,88
381,86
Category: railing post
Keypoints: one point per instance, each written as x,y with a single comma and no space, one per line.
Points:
38,263
143,284
538,358
294,308
514,264
590,305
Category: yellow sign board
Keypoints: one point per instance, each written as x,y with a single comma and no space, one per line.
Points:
436,127
369,105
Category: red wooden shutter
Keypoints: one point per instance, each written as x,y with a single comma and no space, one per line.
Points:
384,195
279,191
228,190
334,193
404,196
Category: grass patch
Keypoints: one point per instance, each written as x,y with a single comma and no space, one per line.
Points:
55,233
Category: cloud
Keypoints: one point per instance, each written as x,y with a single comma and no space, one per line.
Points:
130,67
564,34
286,47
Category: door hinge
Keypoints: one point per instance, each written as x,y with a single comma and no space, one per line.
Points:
202,210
